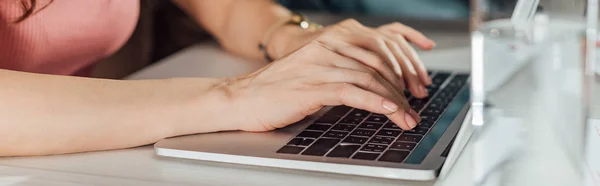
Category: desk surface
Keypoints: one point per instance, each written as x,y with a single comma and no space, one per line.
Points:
139,166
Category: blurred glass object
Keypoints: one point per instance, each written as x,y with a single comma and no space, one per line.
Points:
531,81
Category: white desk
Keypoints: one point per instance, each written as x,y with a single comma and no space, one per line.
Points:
139,166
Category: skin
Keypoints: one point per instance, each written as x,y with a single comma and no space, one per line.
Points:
343,64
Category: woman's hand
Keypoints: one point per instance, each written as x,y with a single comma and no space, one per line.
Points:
389,42
326,71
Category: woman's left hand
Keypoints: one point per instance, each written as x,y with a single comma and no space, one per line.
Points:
390,42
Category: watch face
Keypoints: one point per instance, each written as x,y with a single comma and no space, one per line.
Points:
303,22
304,25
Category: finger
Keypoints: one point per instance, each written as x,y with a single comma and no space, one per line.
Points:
370,81
411,34
414,58
410,74
372,41
407,70
367,58
350,95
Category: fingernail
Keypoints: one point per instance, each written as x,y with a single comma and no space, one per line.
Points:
414,114
390,106
423,90
410,120
429,81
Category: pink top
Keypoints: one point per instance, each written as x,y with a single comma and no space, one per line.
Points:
65,38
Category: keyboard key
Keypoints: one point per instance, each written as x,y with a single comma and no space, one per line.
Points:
319,127
403,146
391,126
309,134
433,106
439,100
343,151
321,146
392,133
378,115
355,140
295,141
432,90
394,156
359,113
335,134
351,120
362,132
290,150
372,126
410,138
461,78
428,117
328,119
301,141
439,78
365,156
343,127
443,94
432,111
374,148
339,111
416,107
376,119
451,91
423,100
382,140
417,104
456,83
426,123
417,131
445,102
431,117
453,84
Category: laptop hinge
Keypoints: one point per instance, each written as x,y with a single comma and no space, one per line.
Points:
447,150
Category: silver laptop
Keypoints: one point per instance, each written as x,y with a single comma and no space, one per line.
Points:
346,140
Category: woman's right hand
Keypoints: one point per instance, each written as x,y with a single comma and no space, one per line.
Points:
322,73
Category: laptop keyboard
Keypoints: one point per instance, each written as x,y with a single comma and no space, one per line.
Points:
345,132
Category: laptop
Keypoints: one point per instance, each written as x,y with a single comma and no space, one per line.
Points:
347,140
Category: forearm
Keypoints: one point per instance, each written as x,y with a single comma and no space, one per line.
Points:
241,25
46,114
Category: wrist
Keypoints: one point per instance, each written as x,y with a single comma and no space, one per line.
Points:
289,38
201,107
284,40
224,98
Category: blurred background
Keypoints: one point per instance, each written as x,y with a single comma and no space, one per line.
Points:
420,9
421,14
423,9
164,29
